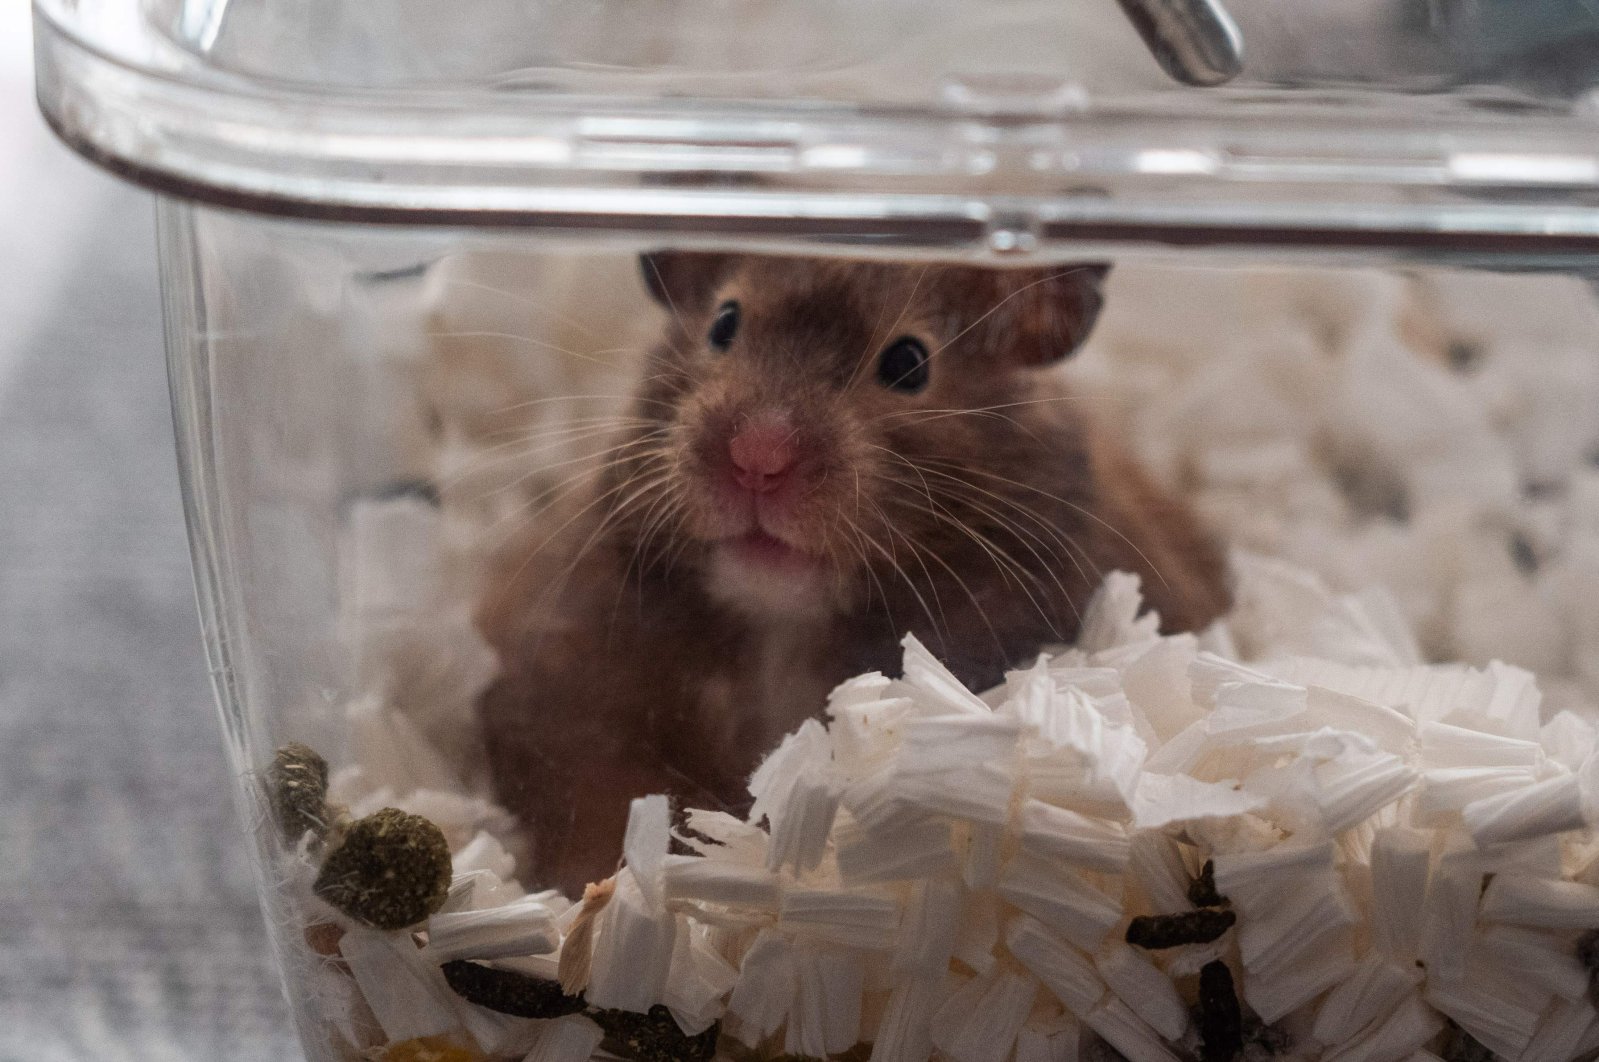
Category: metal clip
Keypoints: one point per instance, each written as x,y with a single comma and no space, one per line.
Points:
1195,41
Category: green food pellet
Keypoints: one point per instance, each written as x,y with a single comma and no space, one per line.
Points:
509,992
654,1037
1221,1022
297,785
390,870
1169,931
1202,890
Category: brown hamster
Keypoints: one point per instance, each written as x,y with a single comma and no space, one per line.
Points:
825,456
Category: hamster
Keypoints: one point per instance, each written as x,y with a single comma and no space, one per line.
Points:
822,456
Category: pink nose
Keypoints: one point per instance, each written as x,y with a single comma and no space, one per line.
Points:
763,454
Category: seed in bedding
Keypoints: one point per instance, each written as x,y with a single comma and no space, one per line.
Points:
1202,890
1588,955
1461,1046
1588,950
654,1037
1221,1023
1154,932
509,992
390,870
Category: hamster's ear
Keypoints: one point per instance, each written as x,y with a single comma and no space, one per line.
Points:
1051,312
683,280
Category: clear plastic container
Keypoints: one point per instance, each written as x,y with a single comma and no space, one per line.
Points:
636,454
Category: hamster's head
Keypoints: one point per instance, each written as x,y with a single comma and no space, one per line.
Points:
818,430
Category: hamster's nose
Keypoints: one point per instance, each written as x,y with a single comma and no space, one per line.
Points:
763,452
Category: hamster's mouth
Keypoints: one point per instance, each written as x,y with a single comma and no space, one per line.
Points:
763,576
760,549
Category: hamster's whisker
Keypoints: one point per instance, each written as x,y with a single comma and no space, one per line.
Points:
873,342
951,491
548,497
1070,545
1070,551
992,310
670,554
945,516
1101,521
672,543
519,447
1027,539
611,516
638,555
932,414
521,450
977,605
665,290
1010,569
673,518
526,432
908,463
519,297
550,536
868,540
529,341
656,377
620,449
533,403
854,543
916,554
984,544
940,414
653,520
545,498
684,544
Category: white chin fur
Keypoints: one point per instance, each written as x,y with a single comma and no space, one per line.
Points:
767,591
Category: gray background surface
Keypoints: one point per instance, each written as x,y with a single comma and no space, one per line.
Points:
128,920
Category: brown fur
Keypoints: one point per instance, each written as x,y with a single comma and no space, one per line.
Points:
979,514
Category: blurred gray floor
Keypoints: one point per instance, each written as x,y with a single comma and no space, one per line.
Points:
128,921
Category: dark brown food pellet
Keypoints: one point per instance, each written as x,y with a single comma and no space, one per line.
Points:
683,833
654,1037
1202,890
1461,1046
297,786
509,992
1097,1050
1588,950
1588,955
390,870
1221,1021
1169,931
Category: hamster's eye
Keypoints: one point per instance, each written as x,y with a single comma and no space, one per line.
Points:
724,327
903,365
